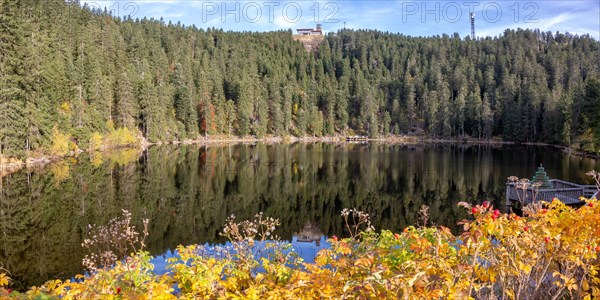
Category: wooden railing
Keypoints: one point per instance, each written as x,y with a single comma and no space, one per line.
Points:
560,184
567,192
590,191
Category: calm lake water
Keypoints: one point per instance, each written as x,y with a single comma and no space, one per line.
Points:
187,192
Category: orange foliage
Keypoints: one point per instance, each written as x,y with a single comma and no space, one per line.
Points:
551,252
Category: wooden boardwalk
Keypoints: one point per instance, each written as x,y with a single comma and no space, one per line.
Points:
567,192
357,138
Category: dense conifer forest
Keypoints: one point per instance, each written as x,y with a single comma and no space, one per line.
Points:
70,72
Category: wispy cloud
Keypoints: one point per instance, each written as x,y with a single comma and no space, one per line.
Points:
421,17
573,22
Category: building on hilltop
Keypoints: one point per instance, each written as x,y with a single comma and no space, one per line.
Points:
311,31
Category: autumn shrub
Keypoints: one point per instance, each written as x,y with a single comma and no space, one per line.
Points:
551,252
232,270
61,143
132,278
114,138
121,137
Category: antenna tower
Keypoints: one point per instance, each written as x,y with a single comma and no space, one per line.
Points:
472,25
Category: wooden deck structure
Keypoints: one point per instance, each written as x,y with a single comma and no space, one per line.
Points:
567,192
357,138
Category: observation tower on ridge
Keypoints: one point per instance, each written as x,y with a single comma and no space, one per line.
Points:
472,15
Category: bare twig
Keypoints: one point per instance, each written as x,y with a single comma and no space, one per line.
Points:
109,243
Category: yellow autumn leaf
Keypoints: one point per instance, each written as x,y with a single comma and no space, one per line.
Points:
595,292
571,284
510,294
585,285
344,249
524,267
4,279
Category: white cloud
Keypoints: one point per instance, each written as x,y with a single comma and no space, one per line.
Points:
579,16
563,22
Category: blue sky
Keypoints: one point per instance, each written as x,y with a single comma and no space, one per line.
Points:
416,18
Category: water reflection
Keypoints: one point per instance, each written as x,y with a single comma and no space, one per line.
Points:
309,234
187,192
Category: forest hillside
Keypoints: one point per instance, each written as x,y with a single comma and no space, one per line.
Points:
77,76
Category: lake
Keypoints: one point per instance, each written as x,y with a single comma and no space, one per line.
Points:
187,192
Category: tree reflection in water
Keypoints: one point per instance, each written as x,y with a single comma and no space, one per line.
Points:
188,192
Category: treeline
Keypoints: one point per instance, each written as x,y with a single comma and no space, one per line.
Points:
70,70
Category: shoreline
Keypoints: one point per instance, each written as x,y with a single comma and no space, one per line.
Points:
9,166
330,139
